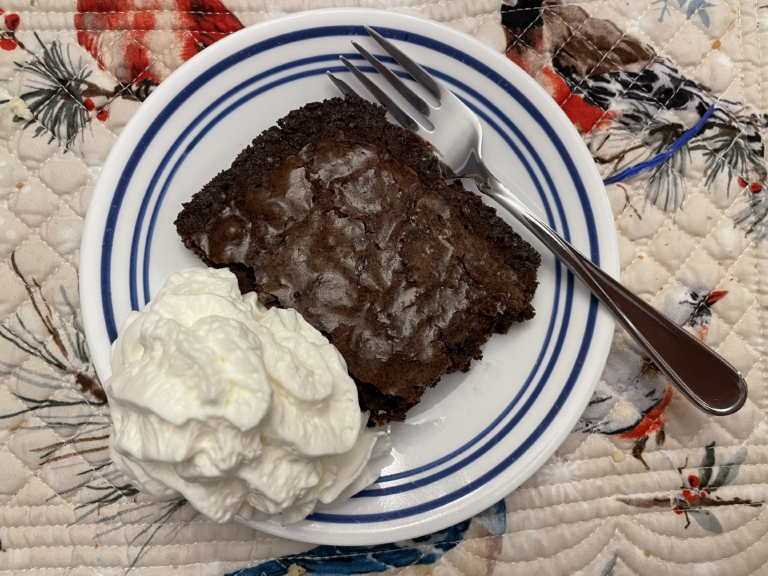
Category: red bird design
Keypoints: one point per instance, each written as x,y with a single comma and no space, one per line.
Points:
539,31
131,40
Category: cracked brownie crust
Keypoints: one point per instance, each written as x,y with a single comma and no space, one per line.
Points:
346,218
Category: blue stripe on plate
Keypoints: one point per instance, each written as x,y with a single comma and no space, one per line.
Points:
167,158
242,100
499,436
474,484
255,49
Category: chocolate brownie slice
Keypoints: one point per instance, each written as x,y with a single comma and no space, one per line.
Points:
346,217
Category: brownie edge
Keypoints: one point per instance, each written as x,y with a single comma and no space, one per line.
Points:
346,217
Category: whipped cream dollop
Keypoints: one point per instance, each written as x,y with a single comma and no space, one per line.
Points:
242,410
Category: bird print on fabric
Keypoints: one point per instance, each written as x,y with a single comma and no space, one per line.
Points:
632,394
130,39
643,119
136,44
637,112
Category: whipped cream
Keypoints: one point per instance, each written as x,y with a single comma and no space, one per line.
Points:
242,410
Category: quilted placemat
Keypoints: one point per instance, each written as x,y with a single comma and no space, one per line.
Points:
667,95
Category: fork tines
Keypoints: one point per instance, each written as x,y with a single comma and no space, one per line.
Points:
413,99
417,72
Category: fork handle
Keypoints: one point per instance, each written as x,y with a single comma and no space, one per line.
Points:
701,374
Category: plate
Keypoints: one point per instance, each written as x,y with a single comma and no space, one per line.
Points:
476,436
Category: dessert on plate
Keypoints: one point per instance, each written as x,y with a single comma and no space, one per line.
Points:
345,278
346,218
242,410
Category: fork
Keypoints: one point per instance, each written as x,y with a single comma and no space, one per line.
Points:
455,134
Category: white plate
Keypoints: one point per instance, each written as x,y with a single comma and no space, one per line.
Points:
476,436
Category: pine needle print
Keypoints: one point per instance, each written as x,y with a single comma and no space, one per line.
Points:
61,97
753,217
55,94
642,135
728,151
70,401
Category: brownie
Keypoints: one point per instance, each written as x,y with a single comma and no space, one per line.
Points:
346,217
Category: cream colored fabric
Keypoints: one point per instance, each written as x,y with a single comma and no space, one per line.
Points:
593,509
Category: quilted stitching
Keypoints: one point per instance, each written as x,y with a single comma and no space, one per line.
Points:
695,244
567,516
54,231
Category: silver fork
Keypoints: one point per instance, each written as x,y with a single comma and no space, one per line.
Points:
454,132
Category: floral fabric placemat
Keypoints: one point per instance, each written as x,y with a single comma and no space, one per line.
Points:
667,95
